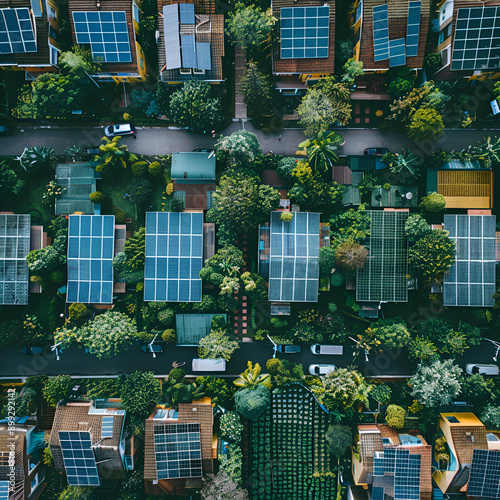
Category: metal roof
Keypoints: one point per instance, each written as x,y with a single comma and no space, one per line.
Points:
78,180
193,166
191,328
203,58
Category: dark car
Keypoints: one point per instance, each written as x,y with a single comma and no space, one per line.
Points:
376,151
32,350
152,348
288,349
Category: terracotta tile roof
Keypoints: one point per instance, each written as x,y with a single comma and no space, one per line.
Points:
342,175
300,66
398,19
196,194
466,439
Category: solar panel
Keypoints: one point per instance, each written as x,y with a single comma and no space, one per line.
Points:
79,459
171,34
413,28
4,490
383,277
36,7
90,259
359,11
484,479
16,31
471,280
304,32
186,13
294,258
397,52
203,59
107,34
477,39
188,51
174,256
380,33
14,247
107,427
177,450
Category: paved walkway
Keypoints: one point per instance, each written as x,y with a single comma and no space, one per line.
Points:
240,108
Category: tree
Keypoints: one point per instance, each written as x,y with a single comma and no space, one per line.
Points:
140,191
285,169
45,260
352,69
249,26
422,348
135,250
226,262
491,416
240,148
111,154
326,260
284,372
316,112
193,106
351,223
432,256
437,383
217,344
393,336
231,427
252,377
140,392
38,157
476,389
427,123
221,487
219,389
240,204
339,439
257,90
9,181
350,255
252,403
416,227
58,388
381,393
403,164
77,311
103,388
321,150
395,416
255,286
97,197
434,202
75,493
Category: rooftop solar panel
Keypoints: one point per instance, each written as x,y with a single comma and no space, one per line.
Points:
397,52
188,51
171,34
304,32
107,34
16,31
413,28
380,33
477,39
177,450
484,479
186,13
203,59
471,280
79,459
383,277
107,427
14,247
90,259
4,490
174,256
294,258
36,7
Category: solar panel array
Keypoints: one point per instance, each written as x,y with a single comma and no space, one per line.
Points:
477,39
383,277
79,459
188,51
186,13
16,31
380,33
107,427
484,479
107,34
397,55
177,450
304,32
4,490
294,258
14,247
413,28
174,256
91,241
471,280
171,34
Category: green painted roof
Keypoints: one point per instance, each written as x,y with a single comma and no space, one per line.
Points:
193,166
78,180
191,328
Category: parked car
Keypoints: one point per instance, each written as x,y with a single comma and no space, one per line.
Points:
203,150
32,350
321,369
208,365
288,349
472,368
327,349
152,348
376,151
4,130
122,129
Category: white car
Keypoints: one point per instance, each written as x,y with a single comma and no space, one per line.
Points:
472,368
122,129
327,349
321,369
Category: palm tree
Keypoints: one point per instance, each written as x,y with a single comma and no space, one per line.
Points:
37,157
405,164
321,150
252,377
111,153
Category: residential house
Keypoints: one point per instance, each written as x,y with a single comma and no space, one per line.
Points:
191,41
191,328
306,51
390,33
179,448
27,444
484,477
89,441
395,466
109,28
469,39
29,33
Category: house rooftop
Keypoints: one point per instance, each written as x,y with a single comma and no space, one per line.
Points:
195,166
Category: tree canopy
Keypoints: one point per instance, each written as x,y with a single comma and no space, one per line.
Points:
239,149
140,391
257,91
252,402
217,344
427,123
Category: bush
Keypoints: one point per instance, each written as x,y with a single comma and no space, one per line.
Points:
337,279
169,336
77,311
395,416
166,316
127,117
381,393
176,376
491,417
97,197
139,168
119,214
286,216
285,168
339,439
416,227
231,427
208,304
279,323
273,366
57,388
155,169
57,277
434,202
252,403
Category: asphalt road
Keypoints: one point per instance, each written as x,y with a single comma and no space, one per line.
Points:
155,141
75,362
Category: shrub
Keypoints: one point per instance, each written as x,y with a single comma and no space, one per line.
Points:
339,438
434,202
279,323
285,168
381,393
169,336
119,214
155,169
169,189
77,311
287,216
273,366
176,376
97,197
166,316
127,117
231,427
337,279
416,227
491,416
57,277
395,416
252,403
139,168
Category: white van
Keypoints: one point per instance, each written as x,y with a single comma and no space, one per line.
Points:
327,349
209,365
482,369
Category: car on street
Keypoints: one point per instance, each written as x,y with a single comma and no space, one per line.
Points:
288,349
327,349
4,130
152,348
122,129
376,151
32,350
472,368
321,369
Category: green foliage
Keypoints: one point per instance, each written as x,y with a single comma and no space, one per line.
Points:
140,392
434,202
219,389
135,250
231,427
179,390
45,260
75,493
150,313
217,344
139,168
350,255
326,260
252,377
321,149
476,389
176,376
252,403
339,438
169,336
227,303
286,216
240,148
232,461
303,332
422,348
77,311
284,372
9,181
97,197
37,157
208,304
57,388
140,190
286,167
155,169
491,417
12,333
337,278
57,277
351,223
111,154
381,393
352,69
427,123
416,227
393,336
432,61
279,323
395,416
103,388
221,487
257,90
